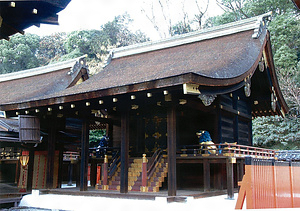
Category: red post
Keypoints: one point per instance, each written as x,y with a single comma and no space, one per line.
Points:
105,173
144,174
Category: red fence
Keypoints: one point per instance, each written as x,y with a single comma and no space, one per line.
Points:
269,184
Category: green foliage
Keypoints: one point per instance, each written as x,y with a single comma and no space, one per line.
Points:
227,17
285,33
95,43
51,48
119,33
96,136
19,53
28,51
181,28
277,7
89,42
73,54
276,132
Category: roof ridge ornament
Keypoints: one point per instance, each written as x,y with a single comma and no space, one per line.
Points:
108,58
80,63
261,23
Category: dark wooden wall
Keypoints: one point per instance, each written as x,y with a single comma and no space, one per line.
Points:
235,123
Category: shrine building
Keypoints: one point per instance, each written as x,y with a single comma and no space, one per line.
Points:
151,98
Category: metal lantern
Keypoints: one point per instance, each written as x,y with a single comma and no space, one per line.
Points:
24,158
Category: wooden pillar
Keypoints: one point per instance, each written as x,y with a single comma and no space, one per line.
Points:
17,175
84,155
70,173
144,174
218,176
93,172
229,173
77,173
51,153
206,174
171,139
60,167
30,170
124,151
105,173
240,170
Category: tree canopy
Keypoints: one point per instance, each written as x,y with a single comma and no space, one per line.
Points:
29,51
19,53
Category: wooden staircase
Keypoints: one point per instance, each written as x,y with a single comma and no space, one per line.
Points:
135,177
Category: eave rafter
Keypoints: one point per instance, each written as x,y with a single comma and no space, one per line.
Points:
19,14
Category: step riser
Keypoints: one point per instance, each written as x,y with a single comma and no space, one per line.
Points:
135,177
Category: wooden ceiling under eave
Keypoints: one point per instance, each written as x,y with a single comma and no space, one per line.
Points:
297,3
15,16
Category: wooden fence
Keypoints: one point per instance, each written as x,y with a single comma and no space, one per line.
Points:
269,184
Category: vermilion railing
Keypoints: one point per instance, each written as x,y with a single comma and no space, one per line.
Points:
149,167
269,184
70,156
226,149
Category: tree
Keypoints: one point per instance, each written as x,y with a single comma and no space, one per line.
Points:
201,12
161,16
181,28
28,51
285,33
158,13
258,7
235,7
95,43
51,48
19,53
277,132
119,34
90,42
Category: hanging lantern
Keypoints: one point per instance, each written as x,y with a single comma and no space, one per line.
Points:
24,158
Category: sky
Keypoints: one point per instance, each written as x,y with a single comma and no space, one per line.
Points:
91,14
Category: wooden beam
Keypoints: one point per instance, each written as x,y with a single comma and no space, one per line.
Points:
84,155
235,112
206,175
171,141
124,151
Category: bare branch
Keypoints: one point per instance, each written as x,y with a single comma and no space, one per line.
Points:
200,14
152,19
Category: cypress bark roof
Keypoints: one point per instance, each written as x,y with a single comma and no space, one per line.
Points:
37,82
213,59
